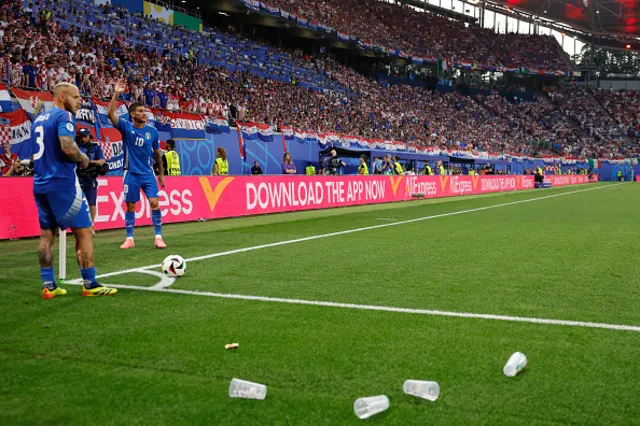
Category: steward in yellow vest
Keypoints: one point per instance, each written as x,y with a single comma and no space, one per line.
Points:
363,169
221,166
428,170
172,159
310,170
398,167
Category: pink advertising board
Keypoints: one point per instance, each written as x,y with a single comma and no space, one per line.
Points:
562,180
190,198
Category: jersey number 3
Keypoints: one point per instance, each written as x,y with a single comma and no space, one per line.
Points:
40,141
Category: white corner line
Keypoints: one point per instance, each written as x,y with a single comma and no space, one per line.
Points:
348,231
619,327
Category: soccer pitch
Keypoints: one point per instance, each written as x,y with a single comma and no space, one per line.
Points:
332,305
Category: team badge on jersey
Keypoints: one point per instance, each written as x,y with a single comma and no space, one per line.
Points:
70,127
147,135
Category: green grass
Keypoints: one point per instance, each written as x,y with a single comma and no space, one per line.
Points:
158,358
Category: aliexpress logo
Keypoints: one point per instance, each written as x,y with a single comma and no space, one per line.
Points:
213,194
395,183
443,181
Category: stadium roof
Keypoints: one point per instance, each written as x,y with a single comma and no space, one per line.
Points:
592,16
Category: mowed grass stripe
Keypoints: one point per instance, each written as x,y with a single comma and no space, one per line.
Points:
351,231
569,258
619,327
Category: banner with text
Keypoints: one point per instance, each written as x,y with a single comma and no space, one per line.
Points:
562,180
189,198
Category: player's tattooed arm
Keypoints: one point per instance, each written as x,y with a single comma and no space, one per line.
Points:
72,152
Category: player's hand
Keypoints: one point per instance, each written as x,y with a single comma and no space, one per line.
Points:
84,161
120,87
161,181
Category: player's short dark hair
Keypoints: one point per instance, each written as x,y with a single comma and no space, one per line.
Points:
134,106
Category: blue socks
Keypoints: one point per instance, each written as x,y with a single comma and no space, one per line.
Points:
156,217
48,278
88,276
130,223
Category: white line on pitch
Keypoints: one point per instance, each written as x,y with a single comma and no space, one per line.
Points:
621,327
351,231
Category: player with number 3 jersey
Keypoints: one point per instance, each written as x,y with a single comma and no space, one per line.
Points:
59,198
141,144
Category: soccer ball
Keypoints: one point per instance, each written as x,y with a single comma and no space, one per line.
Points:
174,266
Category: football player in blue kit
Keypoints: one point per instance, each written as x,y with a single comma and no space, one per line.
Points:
141,144
59,198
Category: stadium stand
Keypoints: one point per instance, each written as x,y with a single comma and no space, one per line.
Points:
397,26
224,75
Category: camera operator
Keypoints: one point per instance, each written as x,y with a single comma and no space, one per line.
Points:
97,166
333,164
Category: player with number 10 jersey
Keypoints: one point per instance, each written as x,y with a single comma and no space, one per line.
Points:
141,144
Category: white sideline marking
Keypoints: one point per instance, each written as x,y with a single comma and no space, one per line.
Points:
348,231
620,327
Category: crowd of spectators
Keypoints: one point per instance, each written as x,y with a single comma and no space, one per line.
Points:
422,33
624,107
609,134
223,75
527,51
581,104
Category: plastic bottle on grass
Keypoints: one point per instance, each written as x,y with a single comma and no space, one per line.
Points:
516,363
370,406
422,389
248,390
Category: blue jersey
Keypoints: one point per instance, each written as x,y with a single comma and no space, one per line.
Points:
139,146
52,169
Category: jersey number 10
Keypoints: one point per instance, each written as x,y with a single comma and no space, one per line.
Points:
139,141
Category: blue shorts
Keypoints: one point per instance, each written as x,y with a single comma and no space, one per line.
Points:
90,192
134,182
63,209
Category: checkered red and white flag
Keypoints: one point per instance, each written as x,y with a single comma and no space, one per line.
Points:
107,149
5,134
